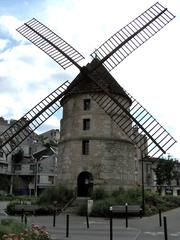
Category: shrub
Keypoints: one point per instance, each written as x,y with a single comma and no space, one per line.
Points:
10,226
60,193
82,210
34,232
10,209
118,192
99,193
101,207
153,202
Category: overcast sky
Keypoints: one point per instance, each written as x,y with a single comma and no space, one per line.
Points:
150,74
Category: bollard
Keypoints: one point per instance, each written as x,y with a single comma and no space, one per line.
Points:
25,219
111,223
165,229
126,212
67,226
87,220
160,218
54,217
22,215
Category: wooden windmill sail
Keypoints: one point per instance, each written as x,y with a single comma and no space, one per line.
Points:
109,55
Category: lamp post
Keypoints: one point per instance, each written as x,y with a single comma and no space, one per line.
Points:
37,171
142,183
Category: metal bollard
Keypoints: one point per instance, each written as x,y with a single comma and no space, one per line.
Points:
25,219
22,215
54,218
87,220
67,226
126,210
111,223
160,218
165,229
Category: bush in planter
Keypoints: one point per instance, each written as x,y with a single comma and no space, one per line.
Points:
173,199
82,210
34,232
119,192
10,226
10,209
99,193
60,194
101,207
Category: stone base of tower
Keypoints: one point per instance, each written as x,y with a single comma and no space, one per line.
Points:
109,165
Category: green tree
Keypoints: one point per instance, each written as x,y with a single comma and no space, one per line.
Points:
165,172
5,183
17,157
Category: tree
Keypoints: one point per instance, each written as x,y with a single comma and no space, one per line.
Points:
165,172
18,156
5,183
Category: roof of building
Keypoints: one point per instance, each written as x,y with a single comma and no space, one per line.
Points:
46,151
85,85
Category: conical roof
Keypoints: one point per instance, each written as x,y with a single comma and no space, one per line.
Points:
83,84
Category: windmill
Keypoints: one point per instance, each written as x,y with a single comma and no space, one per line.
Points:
109,54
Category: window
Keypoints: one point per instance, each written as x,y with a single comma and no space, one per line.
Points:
32,167
1,154
85,147
87,104
17,167
86,124
51,179
177,182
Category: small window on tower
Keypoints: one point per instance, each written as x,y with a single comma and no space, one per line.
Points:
86,124
1,154
85,147
87,104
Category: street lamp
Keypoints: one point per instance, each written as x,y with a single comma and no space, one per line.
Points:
37,171
142,182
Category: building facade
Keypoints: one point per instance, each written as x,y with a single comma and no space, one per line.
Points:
30,168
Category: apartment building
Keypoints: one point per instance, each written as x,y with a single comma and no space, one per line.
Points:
30,168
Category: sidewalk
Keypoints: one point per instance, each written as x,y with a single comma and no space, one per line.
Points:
146,228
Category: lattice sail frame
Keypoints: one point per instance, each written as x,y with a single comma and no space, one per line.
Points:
135,121
133,35
49,42
23,128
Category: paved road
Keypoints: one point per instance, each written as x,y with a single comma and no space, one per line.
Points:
146,228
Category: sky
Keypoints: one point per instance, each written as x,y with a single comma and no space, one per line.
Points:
150,74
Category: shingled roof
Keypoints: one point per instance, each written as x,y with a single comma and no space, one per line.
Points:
85,85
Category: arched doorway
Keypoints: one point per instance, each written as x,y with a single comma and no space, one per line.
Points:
84,184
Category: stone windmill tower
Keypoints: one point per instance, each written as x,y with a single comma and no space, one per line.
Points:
93,150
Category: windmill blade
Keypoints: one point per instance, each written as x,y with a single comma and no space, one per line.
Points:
134,120
49,42
22,128
133,35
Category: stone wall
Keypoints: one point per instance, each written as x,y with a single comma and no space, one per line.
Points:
111,156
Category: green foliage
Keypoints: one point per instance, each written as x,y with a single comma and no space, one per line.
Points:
101,207
153,202
99,193
82,210
4,184
118,192
10,209
11,229
60,194
133,196
10,226
17,157
165,172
